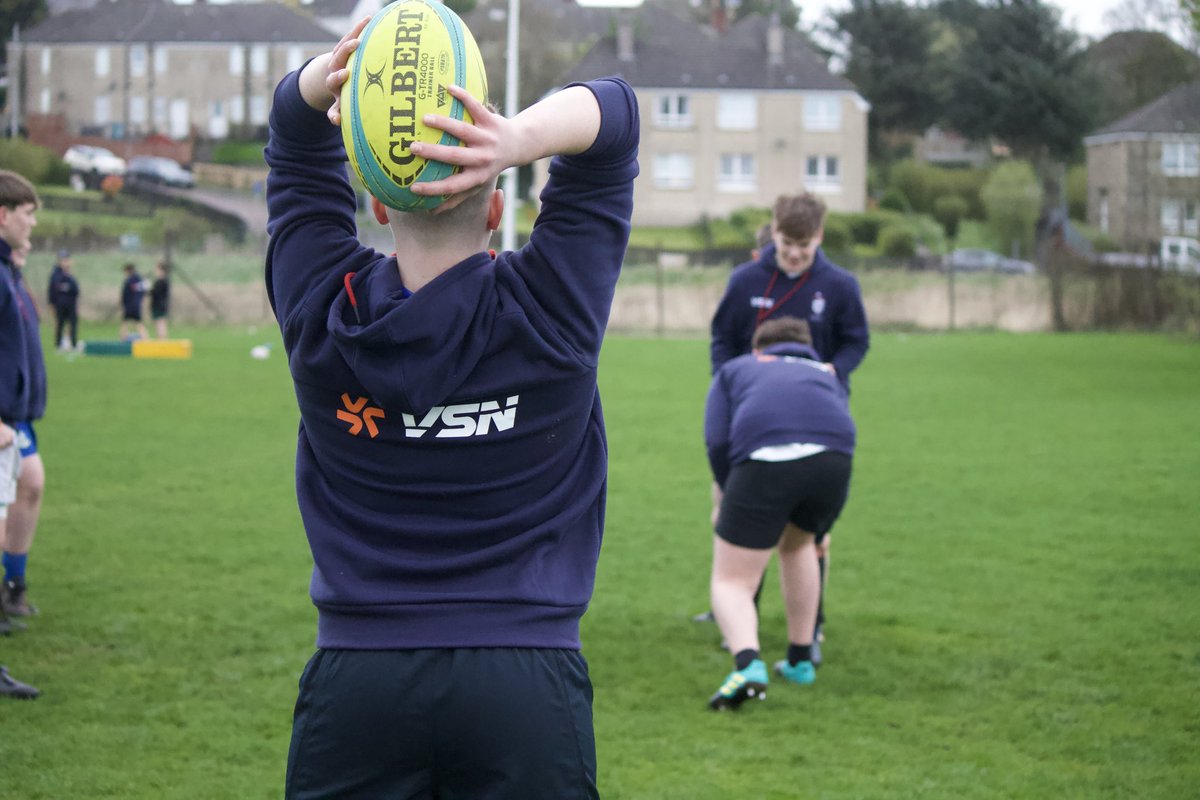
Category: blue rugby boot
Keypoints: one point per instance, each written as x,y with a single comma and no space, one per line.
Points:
742,685
802,673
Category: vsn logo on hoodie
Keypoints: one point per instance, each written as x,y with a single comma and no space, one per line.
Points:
463,419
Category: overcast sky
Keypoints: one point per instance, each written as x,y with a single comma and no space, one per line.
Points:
1085,16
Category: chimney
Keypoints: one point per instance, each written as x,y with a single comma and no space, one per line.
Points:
718,16
624,36
775,41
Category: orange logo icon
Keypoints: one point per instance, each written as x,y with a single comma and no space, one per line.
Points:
352,415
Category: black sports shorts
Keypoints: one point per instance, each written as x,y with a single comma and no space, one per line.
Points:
443,724
763,496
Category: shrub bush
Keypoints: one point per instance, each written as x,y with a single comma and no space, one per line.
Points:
897,242
865,228
239,153
949,210
895,200
922,184
838,238
36,163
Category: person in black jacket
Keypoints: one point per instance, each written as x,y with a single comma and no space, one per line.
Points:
64,297
160,298
133,292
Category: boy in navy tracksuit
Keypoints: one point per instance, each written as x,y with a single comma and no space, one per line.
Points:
22,401
23,515
780,441
451,464
791,277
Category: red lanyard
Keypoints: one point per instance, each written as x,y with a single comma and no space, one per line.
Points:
763,313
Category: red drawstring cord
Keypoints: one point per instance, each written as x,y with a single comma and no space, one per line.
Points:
763,313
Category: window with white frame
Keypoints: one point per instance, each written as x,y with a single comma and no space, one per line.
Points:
160,112
673,111
160,60
137,60
736,173
137,109
822,174
295,58
102,63
1179,217
237,110
1104,221
674,171
1181,159
822,112
44,101
258,109
258,59
100,110
237,60
46,60
737,112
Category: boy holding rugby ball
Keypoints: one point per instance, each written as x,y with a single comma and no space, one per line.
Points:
451,461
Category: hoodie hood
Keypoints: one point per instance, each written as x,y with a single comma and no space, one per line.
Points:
412,351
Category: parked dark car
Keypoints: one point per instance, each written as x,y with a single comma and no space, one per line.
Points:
156,169
974,259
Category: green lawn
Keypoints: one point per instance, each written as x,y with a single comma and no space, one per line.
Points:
1013,604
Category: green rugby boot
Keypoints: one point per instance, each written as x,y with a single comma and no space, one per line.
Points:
740,686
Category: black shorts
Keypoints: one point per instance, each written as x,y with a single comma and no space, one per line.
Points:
763,496
132,316
467,723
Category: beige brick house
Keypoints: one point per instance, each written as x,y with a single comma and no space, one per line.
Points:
132,68
732,119
1144,172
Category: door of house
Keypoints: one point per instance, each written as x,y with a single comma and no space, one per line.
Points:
179,119
218,120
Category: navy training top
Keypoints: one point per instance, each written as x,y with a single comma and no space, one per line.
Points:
133,291
776,397
15,375
451,462
829,298
22,365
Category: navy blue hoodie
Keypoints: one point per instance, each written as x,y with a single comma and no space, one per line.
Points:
451,465
22,366
777,397
829,298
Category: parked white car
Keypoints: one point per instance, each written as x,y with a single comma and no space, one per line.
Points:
90,160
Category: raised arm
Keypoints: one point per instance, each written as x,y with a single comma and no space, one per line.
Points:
564,123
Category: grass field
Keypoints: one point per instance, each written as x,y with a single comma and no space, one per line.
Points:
1014,601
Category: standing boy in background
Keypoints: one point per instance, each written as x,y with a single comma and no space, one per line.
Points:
451,467
22,385
160,298
63,295
133,292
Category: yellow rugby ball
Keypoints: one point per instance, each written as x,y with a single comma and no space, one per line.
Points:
407,55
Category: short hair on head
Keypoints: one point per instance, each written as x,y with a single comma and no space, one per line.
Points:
778,331
16,190
799,216
428,229
129,267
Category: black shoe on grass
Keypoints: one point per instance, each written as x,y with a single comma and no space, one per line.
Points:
14,600
11,687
